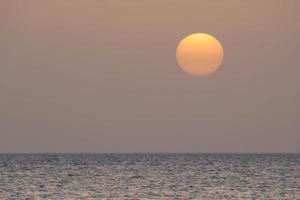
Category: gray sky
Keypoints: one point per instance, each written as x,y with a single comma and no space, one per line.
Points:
101,76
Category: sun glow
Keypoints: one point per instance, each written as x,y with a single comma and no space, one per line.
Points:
199,54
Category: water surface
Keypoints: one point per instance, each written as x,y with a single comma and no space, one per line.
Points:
149,176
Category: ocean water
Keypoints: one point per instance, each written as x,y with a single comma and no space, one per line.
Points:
149,176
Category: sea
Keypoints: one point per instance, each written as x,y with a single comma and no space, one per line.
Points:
149,176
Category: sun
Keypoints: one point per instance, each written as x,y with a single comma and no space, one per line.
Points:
199,54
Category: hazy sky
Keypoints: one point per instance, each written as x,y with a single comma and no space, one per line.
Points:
101,76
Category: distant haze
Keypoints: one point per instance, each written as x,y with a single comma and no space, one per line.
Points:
101,76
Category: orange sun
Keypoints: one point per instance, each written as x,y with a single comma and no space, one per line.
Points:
199,54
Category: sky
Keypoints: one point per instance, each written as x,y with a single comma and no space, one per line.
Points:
101,76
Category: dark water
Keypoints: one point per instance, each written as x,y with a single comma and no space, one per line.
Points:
150,176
